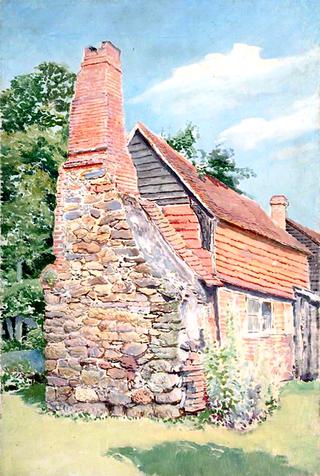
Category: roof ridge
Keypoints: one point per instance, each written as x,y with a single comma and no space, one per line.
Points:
233,208
310,232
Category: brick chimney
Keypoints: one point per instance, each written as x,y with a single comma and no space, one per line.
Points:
279,204
97,117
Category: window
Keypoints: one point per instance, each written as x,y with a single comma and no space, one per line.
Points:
259,316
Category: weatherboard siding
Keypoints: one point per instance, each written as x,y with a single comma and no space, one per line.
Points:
314,258
156,181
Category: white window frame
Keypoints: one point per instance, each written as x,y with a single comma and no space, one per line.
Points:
257,315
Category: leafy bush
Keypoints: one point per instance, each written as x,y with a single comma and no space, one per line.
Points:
10,345
50,277
240,392
19,377
34,339
23,300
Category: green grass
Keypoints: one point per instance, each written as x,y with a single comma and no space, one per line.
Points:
183,458
38,444
34,395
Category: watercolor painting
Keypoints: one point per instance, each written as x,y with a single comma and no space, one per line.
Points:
160,238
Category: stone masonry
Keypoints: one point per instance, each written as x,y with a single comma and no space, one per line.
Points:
124,314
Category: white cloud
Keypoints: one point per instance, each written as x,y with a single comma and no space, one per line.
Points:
221,81
249,132
307,150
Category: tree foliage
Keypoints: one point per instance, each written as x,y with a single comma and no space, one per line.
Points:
30,163
33,144
42,97
218,163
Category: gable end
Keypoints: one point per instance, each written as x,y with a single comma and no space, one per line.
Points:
156,181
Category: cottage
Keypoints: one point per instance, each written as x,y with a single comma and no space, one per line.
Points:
151,262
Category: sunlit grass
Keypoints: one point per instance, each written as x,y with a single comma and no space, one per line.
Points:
38,444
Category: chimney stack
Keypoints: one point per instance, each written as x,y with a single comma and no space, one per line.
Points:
97,119
279,204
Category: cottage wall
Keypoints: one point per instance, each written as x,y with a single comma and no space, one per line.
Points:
274,348
124,331
125,316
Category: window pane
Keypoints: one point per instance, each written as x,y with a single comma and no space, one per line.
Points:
253,323
253,306
266,315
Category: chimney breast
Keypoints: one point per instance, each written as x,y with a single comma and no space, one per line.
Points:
97,117
279,204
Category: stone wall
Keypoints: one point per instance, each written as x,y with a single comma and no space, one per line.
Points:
125,316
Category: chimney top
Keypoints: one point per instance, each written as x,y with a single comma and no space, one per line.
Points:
279,200
97,118
107,52
279,204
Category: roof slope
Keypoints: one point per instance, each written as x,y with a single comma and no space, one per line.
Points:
312,234
176,241
217,198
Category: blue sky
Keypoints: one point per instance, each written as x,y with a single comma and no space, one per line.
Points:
246,72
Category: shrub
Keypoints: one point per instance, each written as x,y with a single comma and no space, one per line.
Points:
19,377
240,392
50,277
10,345
23,300
34,339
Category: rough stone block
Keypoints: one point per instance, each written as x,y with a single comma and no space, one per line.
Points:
113,205
86,395
134,349
142,396
139,411
116,373
161,382
72,215
166,411
118,398
91,377
50,394
55,351
169,397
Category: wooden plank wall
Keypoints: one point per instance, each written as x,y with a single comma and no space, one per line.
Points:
155,180
314,258
306,338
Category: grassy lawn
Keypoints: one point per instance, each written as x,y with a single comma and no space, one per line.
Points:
38,444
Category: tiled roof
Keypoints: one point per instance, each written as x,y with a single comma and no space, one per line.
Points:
216,197
312,234
178,244
185,222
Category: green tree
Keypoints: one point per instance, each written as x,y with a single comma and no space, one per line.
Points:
30,163
33,144
42,97
218,163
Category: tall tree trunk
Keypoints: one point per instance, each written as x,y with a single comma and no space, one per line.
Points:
19,270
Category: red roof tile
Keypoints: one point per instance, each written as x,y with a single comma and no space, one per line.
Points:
216,197
312,234
184,221
178,244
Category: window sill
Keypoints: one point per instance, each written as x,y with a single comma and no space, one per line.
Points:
257,335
